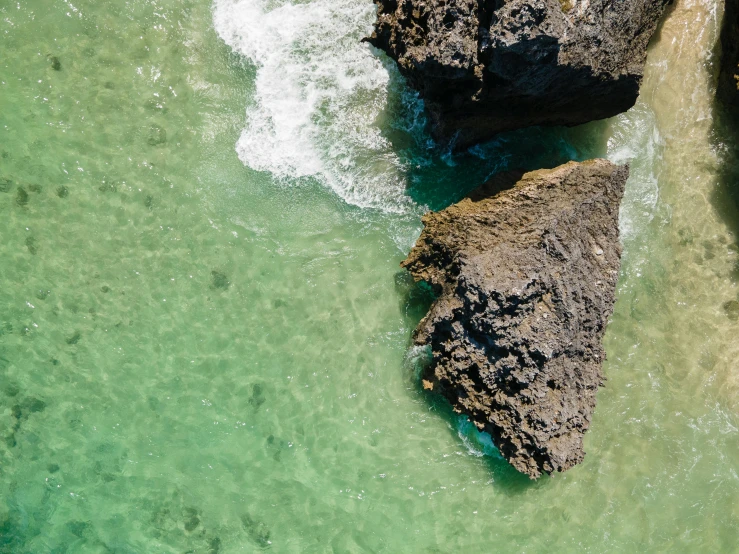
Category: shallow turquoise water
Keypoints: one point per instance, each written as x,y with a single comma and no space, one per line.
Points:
204,348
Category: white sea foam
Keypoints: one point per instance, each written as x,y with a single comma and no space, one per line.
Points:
636,141
319,95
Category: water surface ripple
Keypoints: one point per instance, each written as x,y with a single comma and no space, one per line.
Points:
203,341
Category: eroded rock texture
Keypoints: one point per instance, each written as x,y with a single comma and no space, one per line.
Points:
525,283
486,66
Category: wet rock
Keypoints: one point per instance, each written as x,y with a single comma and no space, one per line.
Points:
62,191
731,309
487,66
5,185
42,294
257,531
525,282
56,64
156,136
219,280
21,197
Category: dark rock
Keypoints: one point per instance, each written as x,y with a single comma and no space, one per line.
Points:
74,339
192,519
5,184
728,81
214,545
62,191
525,283
33,405
487,66
56,65
219,280
36,189
21,197
257,396
52,468
78,528
731,308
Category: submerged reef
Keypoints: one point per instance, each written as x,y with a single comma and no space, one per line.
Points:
488,66
525,282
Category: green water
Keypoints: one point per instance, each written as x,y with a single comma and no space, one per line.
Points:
203,355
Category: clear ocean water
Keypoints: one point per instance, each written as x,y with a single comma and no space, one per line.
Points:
204,330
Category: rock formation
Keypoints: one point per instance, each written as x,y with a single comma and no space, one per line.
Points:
525,280
728,82
487,66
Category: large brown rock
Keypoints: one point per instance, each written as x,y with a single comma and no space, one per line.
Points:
525,282
486,66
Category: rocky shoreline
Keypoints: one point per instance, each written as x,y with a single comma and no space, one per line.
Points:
525,276
525,281
487,66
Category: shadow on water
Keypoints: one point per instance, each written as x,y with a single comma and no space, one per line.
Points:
725,130
725,196
437,177
725,137
503,475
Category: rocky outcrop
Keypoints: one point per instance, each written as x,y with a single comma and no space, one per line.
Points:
486,66
525,281
728,82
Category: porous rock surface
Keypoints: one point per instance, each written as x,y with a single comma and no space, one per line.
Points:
487,66
525,281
